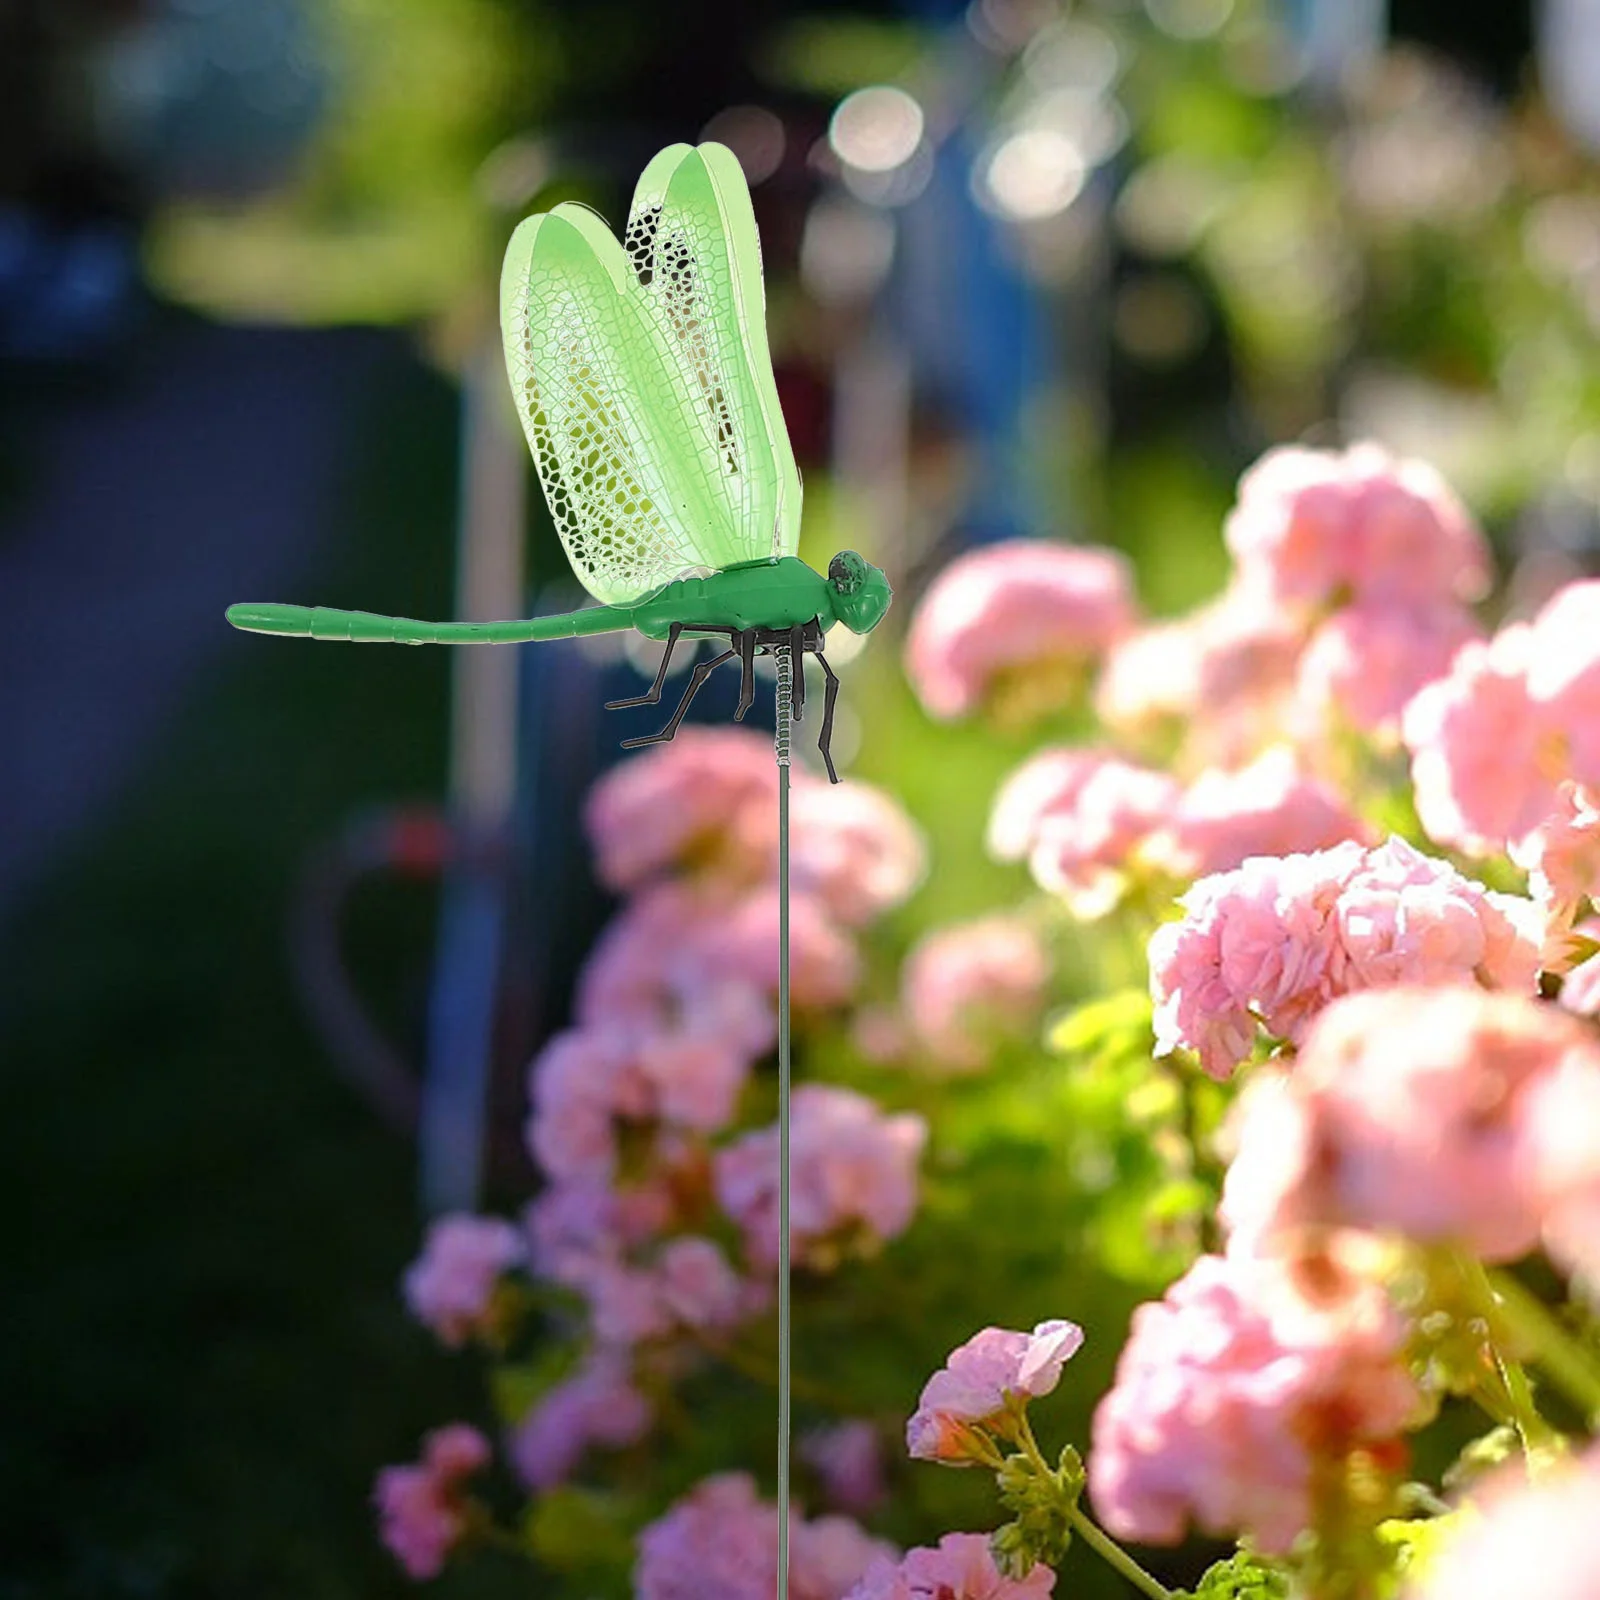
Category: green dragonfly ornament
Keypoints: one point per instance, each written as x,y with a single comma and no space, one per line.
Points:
644,383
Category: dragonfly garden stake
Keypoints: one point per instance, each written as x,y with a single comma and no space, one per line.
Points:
644,383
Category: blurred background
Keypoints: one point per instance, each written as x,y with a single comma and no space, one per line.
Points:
281,925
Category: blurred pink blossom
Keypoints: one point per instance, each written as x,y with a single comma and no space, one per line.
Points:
1480,763
1232,1389
667,809
587,1080
720,1542
421,1509
1046,784
1315,525
1563,1123
1564,677
1419,1111
597,1406
653,967
697,1285
1522,1538
1366,662
1013,606
1083,852
1269,808
1562,859
848,1458
967,987
853,847
853,1177
995,1367
1224,673
1277,938
960,1568
450,1286
741,945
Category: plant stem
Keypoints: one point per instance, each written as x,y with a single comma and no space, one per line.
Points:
1115,1556
1529,1322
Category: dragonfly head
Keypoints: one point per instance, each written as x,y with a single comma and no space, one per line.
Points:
861,593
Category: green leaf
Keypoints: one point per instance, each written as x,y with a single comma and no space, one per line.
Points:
1243,1577
516,1387
1122,1018
579,1530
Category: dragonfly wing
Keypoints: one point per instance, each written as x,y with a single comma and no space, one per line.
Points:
693,243
601,403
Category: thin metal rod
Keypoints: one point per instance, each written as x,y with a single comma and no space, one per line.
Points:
786,666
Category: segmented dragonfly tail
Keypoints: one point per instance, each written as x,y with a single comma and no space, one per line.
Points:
365,627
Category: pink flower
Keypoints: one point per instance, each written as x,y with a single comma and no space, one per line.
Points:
1311,525
965,988
652,968
1479,763
573,1224
1522,1538
1232,1388
421,1510
1563,1133
597,1406
1278,938
1417,1110
1224,673
697,1285
741,945
1562,859
853,1177
668,809
1010,607
1047,784
848,1458
587,1080
1083,852
450,1287
961,1568
853,848
982,1377
1366,662
720,1542
1564,676
1269,808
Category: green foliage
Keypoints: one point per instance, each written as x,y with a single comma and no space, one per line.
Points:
1241,1577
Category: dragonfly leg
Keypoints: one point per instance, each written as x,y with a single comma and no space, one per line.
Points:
746,643
696,679
797,660
652,695
825,738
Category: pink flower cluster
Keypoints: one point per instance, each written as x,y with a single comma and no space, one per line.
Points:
1449,1115
1010,608
450,1287
1233,1387
993,1371
721,1543
853,1177
1272,942
1522,1538
967,987
959,1568
1319,526
676,1005
1351,569
1088,822
422,1510
1492,743
598,1405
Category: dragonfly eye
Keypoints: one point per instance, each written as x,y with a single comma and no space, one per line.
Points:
847,572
